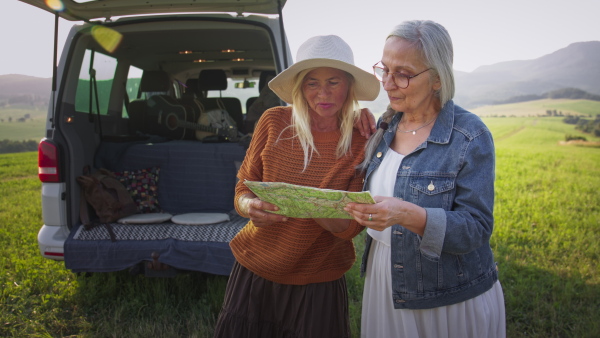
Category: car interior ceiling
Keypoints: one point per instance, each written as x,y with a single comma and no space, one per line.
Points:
141,49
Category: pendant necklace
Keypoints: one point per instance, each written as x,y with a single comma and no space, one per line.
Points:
414,131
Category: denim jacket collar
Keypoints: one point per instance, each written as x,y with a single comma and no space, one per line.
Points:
440,133
442,128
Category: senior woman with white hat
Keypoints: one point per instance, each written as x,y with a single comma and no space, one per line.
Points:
288,278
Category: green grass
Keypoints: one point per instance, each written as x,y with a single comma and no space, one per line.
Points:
546,236
545,241
529,131
16,131
39,298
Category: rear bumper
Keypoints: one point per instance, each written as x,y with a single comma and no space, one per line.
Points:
203,248
51,241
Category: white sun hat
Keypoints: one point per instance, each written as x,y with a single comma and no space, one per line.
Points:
325,51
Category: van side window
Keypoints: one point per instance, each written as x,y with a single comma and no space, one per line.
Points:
134,77
104,67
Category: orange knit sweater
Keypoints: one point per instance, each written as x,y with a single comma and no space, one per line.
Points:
298,251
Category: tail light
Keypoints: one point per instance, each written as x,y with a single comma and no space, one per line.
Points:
54,254
48,162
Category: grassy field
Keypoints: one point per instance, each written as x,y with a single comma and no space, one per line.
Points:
546,235
545,240
539,107
32,129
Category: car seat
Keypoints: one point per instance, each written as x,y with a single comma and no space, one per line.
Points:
154,107
263,80
216,79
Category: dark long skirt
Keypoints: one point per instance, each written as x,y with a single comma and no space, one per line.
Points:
256,307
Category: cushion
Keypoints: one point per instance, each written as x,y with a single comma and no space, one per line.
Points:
198,218
145,218
142,184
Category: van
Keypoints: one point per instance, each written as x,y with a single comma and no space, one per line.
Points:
155,92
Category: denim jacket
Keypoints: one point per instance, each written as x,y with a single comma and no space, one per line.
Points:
451,175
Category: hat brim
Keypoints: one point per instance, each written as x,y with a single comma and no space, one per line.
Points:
366,86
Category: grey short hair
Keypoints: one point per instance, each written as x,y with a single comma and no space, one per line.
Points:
435,44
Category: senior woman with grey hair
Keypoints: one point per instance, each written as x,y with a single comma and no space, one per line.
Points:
429,267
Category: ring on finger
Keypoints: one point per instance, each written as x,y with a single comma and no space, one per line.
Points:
370,217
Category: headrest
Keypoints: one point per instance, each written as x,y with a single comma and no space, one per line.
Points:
212,79
191,87
264,78
155,81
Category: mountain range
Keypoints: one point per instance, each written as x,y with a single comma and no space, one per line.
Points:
12,85
576,66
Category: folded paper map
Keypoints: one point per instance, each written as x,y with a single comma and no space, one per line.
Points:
307,202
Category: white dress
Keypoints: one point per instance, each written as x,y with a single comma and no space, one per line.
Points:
482,316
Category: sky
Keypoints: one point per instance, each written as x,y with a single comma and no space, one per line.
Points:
483,32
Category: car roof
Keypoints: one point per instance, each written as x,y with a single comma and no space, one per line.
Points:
85,10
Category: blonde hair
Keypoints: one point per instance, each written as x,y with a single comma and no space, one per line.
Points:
349,114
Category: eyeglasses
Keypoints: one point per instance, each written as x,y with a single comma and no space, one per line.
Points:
400,79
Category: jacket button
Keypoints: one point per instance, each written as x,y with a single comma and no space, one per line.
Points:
398,266
379,154
397,232
399,301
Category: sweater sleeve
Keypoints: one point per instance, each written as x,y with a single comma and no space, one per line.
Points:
356,184
252,167
353,230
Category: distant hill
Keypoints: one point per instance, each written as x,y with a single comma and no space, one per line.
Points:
23,90
565,93
575,66
15,84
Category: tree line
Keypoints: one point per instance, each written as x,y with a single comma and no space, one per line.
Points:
10,146
590,126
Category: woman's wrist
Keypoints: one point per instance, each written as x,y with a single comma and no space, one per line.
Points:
244,205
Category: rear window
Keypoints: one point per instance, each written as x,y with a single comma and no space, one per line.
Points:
99,69
243,94
134,77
